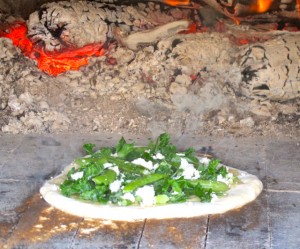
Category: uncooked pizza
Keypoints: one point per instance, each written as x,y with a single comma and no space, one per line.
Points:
129,183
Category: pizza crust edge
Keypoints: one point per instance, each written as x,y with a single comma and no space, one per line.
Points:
239,195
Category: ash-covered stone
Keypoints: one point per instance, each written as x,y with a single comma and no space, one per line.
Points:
271,69
248,122
183,83
77,23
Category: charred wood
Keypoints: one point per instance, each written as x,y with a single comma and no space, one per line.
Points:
77,23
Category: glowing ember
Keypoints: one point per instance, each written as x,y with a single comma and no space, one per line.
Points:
53,63
193,28
262,6
177,2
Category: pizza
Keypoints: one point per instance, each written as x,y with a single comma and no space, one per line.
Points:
130,183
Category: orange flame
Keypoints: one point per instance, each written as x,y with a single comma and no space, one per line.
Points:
298,7
262,6
177,2
53,63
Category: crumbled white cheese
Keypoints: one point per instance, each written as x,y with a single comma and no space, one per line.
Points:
158,156
189,171
128,196
147,194
214,198
155,166
107,165
144,163
227,180
77,175
116,169
114,154
204,160
115,186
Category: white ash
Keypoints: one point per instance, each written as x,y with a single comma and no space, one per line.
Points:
192,83
7,50
135,95
271,69
78,23
249,122
32,122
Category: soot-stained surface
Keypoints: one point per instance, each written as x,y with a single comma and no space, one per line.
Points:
271,221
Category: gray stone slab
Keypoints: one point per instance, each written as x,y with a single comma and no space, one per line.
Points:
283,164
107,234
34,159
271,221
13,193
175,233
8,143
247,227
7,225
285,220
37,168
42,226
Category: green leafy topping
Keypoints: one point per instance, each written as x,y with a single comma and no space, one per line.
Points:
107,175
88,148
106,178
123,148
142,181
161,199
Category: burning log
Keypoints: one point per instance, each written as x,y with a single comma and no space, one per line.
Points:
75,24
253,10
62,36
222,72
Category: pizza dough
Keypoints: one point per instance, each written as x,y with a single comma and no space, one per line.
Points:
239,195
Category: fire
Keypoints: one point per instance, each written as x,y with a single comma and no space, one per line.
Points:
53,63
177,2
262,6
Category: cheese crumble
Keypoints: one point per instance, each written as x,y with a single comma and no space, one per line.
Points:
144,163
77,175
204,160
147,194
227,180
115,186
107,165
115,169
158,156
128,196
189,171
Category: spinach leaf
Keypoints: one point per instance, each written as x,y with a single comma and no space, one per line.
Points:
166,176
211,171
203,193
123,148
88,148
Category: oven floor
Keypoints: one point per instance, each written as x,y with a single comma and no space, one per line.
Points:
271,221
